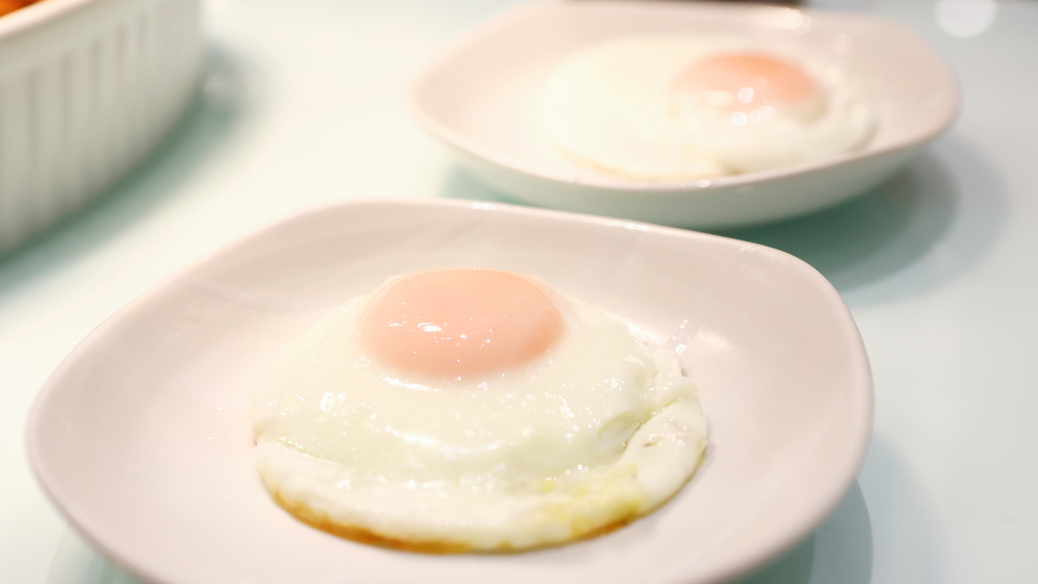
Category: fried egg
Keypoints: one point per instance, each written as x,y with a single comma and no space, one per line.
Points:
473,410
670,107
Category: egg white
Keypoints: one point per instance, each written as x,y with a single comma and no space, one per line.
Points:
612,106
596,432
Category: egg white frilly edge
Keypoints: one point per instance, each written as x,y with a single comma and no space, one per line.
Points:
469,511
660,457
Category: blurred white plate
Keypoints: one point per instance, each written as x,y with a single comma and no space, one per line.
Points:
478,98
142,436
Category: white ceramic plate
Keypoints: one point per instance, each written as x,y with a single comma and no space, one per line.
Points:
142,436
479,99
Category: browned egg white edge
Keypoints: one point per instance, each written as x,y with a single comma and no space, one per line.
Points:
363,535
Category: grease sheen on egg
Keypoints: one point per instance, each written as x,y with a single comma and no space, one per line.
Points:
570,429
684,107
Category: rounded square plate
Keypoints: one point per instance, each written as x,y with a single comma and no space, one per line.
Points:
142,436
479,98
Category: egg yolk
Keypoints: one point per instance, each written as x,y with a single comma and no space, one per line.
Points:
460,322
746,81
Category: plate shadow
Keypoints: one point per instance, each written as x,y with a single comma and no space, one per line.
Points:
838,552
920,229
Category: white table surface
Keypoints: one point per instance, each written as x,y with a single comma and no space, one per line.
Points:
303,104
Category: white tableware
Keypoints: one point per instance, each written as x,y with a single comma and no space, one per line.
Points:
142,436
479,99
87,88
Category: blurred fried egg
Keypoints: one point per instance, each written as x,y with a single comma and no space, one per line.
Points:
473,410
669,107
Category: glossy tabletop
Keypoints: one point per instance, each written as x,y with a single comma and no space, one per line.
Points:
303,103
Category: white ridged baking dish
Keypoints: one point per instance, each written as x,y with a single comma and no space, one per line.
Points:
87,88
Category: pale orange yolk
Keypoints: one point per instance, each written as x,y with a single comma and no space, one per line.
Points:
460,322
746,81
